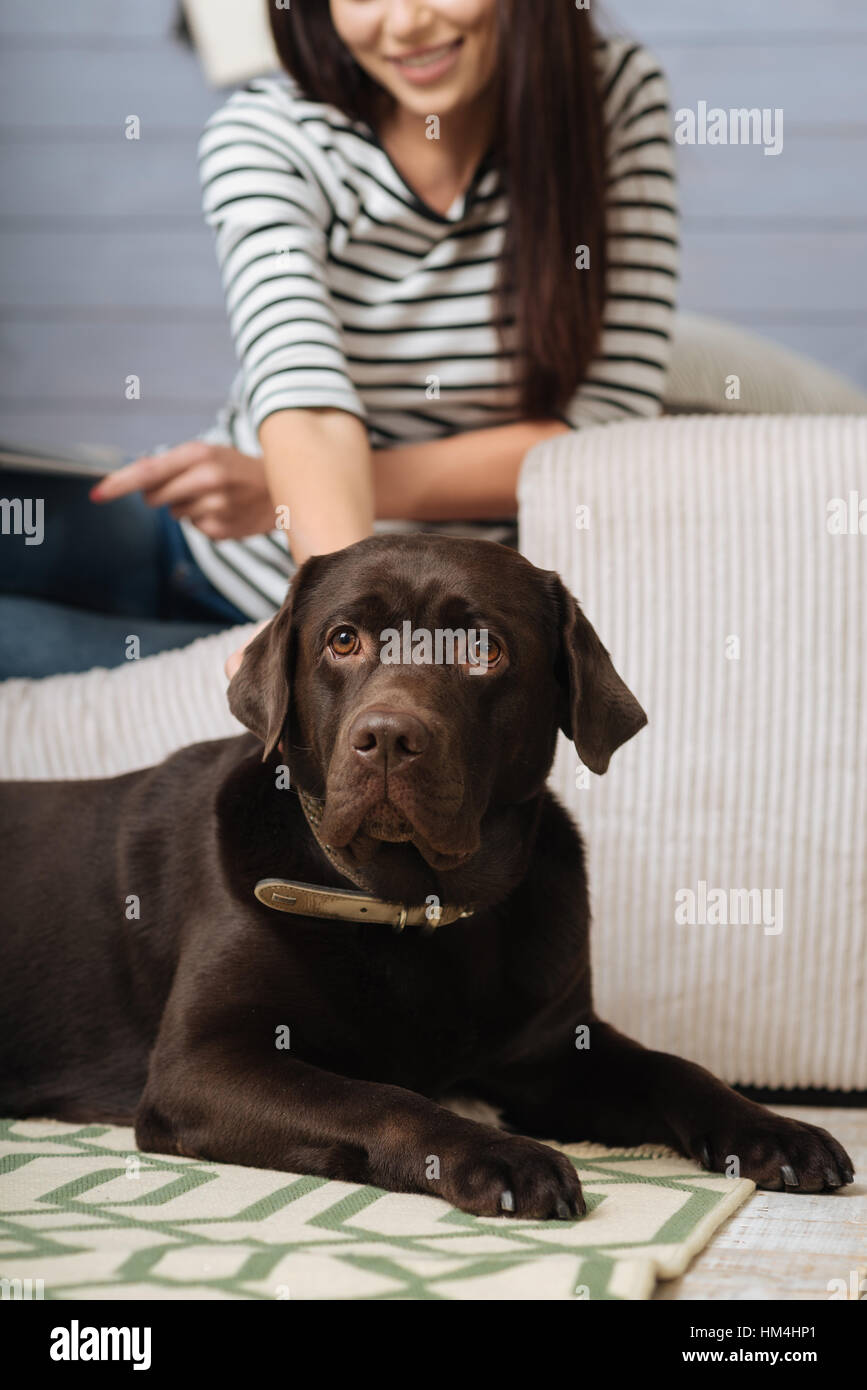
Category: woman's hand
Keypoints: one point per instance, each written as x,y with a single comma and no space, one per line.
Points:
222,491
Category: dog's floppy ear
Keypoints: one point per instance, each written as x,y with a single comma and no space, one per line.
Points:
259,689
598,711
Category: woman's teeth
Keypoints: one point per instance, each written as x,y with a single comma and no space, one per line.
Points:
424,60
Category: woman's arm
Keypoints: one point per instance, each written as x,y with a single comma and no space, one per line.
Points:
466,476
318,465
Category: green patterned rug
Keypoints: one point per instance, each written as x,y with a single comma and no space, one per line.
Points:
84,1215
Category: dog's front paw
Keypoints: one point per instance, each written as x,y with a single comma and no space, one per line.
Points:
776,1152
505,1175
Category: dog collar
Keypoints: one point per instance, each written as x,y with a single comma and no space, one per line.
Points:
341,905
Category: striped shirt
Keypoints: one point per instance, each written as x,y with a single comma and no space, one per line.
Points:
345,290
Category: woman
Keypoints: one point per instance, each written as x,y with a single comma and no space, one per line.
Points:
447,235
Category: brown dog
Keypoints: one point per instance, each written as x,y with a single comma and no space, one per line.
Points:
148,973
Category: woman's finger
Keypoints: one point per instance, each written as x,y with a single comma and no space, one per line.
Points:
205,507
150,471
185,488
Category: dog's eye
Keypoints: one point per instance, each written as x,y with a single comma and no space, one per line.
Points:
344,641
483,650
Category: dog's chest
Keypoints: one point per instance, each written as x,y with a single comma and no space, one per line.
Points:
413,1011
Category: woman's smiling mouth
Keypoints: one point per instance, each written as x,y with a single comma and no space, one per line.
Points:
427,64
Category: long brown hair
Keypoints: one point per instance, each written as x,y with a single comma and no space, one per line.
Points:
550,151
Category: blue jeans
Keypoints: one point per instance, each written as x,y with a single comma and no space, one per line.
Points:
99,575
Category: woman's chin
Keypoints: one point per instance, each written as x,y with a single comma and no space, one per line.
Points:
443,98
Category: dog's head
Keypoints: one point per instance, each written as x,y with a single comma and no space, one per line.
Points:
415,684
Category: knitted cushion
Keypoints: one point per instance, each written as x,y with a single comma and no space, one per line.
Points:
706,354
103,722
708,561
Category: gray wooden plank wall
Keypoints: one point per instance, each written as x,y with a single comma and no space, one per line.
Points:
107,269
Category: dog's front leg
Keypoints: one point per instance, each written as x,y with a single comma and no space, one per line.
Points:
229,1101
615,1091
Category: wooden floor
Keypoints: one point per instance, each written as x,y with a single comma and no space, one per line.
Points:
780,1246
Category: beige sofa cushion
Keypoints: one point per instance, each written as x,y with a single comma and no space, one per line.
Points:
707,353
740,622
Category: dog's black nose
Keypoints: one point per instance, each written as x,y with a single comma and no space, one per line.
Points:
388,738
